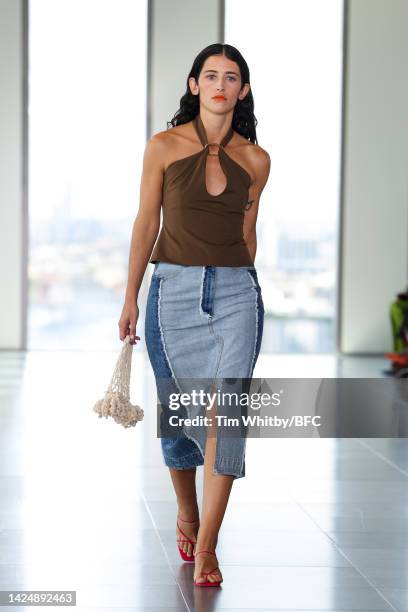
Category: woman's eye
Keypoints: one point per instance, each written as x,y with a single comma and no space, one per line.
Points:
209,76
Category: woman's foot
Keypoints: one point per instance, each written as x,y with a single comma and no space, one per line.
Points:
186,534
206,568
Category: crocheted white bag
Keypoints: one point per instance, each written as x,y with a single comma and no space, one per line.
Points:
116,402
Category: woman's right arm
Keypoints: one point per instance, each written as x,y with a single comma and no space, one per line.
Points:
145,230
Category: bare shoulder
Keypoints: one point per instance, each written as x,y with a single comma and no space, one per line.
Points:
257,156
173,143
256,159
161,142
178,132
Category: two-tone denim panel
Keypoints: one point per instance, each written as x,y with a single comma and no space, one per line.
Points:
204,322
178,452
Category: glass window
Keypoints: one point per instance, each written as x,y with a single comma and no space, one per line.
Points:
294,52
87,133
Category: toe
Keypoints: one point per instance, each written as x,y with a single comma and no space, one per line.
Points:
216,576
200,578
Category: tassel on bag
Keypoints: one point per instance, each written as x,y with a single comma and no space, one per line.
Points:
116,402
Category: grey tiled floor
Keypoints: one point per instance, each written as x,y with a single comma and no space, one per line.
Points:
317,524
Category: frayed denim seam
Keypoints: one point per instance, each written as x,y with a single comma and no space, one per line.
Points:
256,324
162,335
185,465
206,298
202,292
261,313
190,456
219,340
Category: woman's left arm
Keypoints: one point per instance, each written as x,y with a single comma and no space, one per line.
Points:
261,165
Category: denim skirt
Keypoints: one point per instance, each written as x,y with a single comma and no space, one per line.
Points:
203,322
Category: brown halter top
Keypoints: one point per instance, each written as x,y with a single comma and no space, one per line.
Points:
199,228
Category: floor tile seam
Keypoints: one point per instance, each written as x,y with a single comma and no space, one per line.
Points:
164,550
343,554
383,457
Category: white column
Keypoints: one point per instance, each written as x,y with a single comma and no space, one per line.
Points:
13,183
180,29
374,235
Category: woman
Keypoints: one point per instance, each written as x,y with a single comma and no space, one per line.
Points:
204,315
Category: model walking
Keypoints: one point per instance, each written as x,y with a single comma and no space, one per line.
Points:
204,314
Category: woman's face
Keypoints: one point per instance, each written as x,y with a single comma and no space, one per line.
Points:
220,77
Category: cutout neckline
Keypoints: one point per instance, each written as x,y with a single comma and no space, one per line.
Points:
199,127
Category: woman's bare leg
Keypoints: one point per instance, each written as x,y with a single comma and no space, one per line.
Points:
185,487
216,492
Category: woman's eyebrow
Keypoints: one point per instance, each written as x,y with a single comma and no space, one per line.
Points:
226,72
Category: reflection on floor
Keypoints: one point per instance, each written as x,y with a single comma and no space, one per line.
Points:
87,506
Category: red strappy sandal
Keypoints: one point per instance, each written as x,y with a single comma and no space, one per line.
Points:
207,583
184,555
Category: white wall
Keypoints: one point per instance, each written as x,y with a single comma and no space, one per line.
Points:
375,202
181,29
12,180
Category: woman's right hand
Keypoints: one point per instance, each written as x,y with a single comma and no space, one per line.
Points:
128,320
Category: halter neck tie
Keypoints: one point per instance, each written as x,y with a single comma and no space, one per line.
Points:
202,134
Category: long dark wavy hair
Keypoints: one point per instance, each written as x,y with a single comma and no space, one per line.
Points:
243,121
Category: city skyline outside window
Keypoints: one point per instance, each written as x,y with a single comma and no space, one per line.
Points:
294,53
87,133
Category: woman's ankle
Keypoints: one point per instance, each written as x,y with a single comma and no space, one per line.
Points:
206,542
189,512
